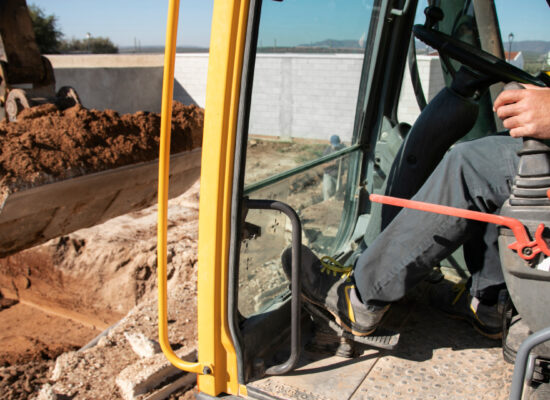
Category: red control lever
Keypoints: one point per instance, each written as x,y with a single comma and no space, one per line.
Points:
524,246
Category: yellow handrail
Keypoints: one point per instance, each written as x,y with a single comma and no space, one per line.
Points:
164,168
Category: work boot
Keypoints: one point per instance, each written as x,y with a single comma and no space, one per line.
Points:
330,286
455,300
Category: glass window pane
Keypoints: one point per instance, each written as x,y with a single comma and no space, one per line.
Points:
318,197
525,32
306,77
300,143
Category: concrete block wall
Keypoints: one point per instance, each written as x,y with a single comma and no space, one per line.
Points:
190,75
309,96
125,83
305,96
431,78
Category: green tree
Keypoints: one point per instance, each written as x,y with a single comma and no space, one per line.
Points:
101,45
95,45
50,39
48,36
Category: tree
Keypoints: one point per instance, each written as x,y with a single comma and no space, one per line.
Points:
95,45
102,45
50,39
47,35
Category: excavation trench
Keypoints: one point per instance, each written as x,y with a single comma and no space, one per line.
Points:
58,296
46,312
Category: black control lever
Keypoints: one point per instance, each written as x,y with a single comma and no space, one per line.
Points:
533,178
433,16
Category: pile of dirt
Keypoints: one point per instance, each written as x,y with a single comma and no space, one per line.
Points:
47,143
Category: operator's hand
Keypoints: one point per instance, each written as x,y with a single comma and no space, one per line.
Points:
525,112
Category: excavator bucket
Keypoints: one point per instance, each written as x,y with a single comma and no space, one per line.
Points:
33,216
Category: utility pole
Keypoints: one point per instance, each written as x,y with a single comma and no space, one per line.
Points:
88,37
510,39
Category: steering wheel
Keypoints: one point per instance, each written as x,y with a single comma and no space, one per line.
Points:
494,68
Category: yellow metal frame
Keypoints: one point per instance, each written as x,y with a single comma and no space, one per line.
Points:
164,170
217,365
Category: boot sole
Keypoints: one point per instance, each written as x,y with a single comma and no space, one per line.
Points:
344,325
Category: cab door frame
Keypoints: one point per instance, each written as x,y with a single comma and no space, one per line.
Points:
380,86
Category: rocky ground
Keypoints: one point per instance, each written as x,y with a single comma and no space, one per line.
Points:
85,282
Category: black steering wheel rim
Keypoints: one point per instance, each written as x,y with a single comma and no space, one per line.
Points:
479,60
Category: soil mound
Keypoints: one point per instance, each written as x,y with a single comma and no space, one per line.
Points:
47,143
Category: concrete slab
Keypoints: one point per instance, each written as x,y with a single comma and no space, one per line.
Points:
155,374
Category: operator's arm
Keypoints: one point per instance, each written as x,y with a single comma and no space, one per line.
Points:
525,112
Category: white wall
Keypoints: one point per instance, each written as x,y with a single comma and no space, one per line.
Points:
190,78
125,83
309,96
305,96
431,78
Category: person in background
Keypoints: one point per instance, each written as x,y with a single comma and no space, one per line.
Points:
332,174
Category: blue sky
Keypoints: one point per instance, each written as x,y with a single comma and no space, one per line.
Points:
526,19
128,21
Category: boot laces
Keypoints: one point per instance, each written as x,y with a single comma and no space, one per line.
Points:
458,288
331,266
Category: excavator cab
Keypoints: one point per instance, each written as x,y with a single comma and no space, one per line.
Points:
311,107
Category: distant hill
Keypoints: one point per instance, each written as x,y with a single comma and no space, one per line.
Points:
537,47
334,44
160,49
533,46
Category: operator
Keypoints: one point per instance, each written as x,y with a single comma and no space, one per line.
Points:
481,172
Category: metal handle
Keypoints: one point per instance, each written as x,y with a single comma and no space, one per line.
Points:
522,359
164,169
524,246
398,12
295,304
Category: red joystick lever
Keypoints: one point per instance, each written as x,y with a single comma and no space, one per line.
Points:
524,246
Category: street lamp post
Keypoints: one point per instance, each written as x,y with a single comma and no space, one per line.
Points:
510,39
88,37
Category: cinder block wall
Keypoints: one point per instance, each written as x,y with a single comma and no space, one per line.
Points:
190,75
125,83
305,96
309,96
431,78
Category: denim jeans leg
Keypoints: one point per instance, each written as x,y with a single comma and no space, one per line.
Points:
474,175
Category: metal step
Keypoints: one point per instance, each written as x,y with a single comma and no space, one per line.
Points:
436,358
382,338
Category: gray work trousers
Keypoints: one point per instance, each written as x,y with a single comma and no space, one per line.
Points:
475,175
